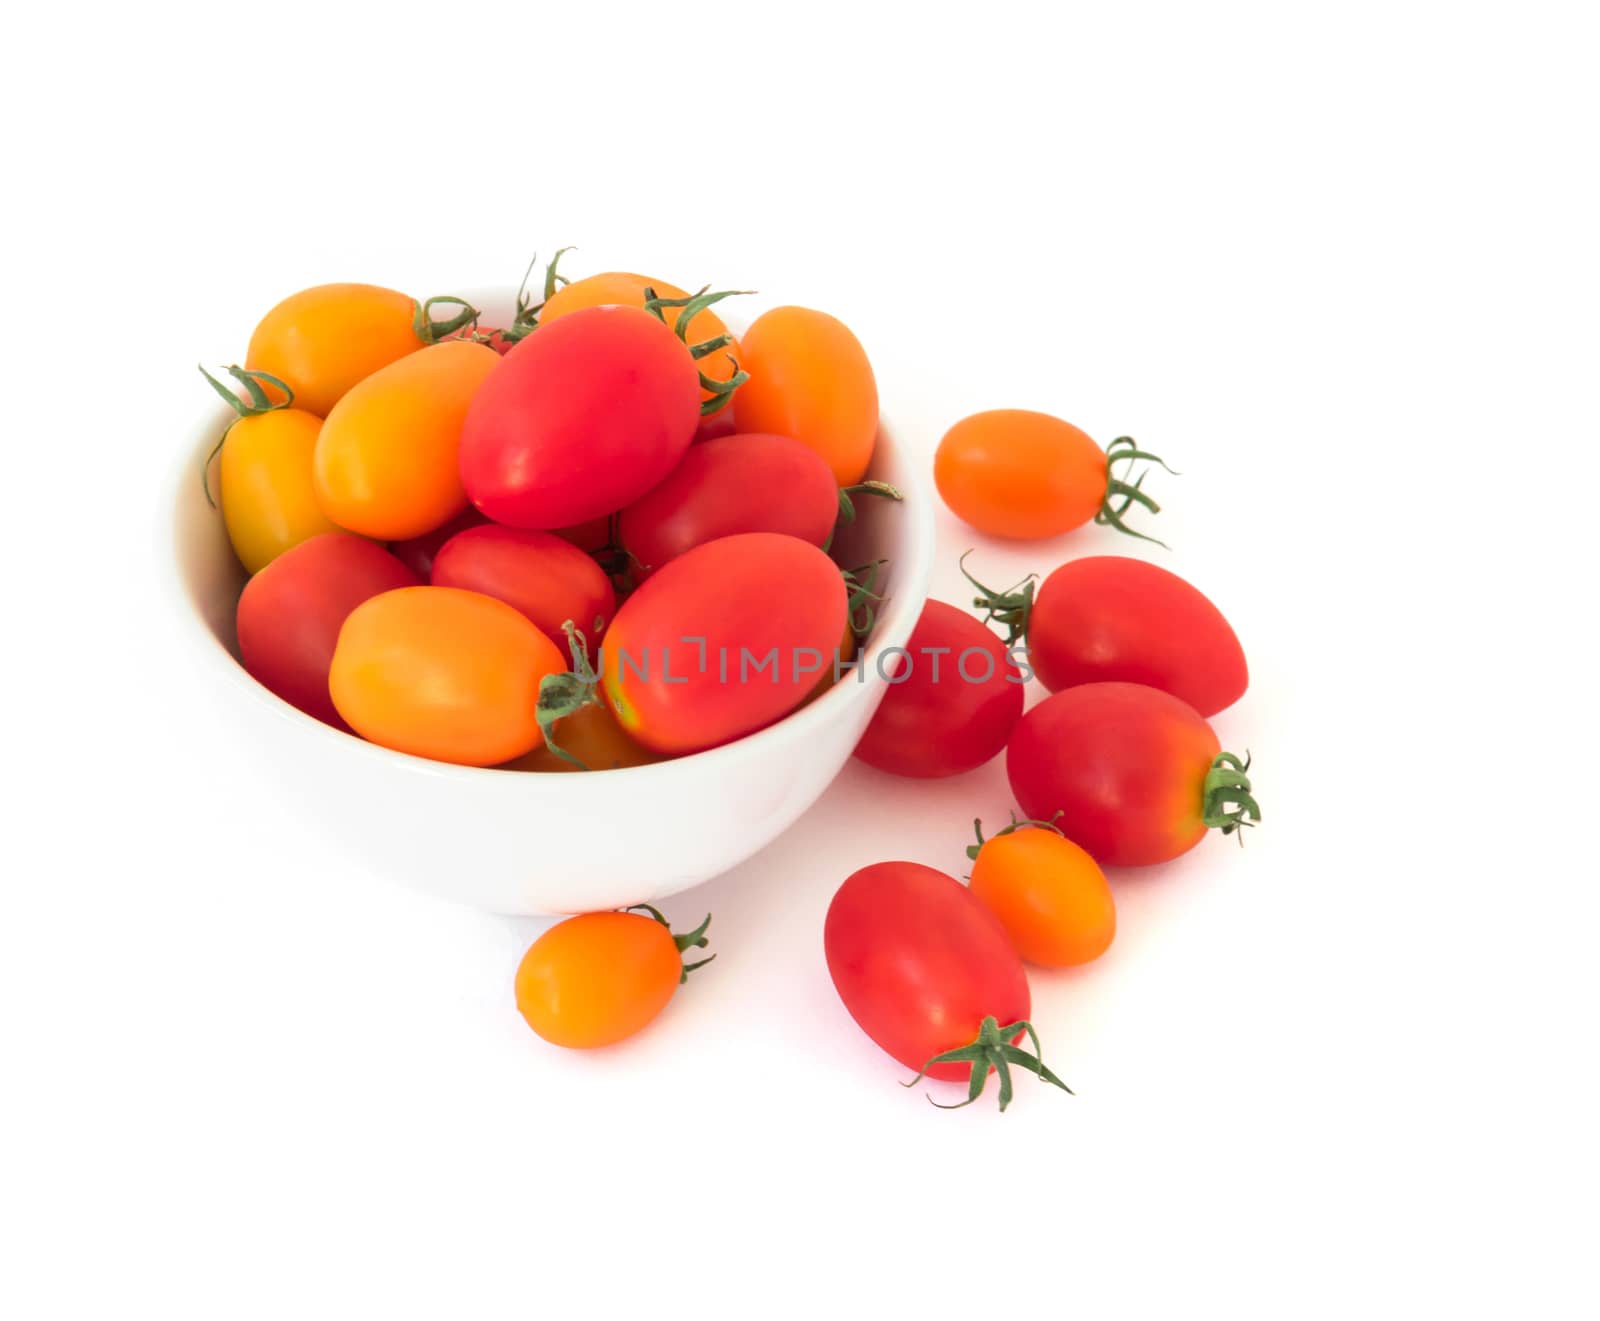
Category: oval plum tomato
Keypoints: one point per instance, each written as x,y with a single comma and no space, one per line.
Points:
268,500
929,974
442,673
290,614
1049,894
1025,475
585,415
1133,774
549,580
1108,619
323,340
810,379
721,642
387,462
952,703
597,979
723,487
591,736
625,289
417,553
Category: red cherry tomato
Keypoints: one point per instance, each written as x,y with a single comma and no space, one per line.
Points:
1136,774
926,969
721,642
583,416
417,553
549,580
592,535
715,426
953,703
736,484
290,614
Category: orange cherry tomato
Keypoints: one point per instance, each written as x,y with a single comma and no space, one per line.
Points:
1023,475
627,289
268,500
593,736
810,380
443,673
597,979
322,341
387,461
1049,894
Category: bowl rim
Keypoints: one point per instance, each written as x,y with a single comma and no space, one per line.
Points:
894,627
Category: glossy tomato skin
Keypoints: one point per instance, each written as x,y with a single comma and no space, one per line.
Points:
322,341
1124,765
290,614
442,673
546,578
1014,473
1107,618
919,963
269,502
417,553
724,487
387,463
584,415
597,979
1049,894
721,642
937,720
810,379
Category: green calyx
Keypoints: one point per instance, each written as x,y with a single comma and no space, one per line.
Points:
685,941
847,506
255,402
1228,804
863,599
977,826
431,329
561,695
1122,496
993,1050
690,307
1012,607
526,318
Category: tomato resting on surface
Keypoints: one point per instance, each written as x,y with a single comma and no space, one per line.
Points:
597,979
1014,473
442,673
583,416
1134,775
928,972
1049,894
290,614
952,702
722,641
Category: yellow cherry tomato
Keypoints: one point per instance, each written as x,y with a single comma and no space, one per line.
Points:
593,736
323,340
387,461
597,979
1049,894
268,500
443,673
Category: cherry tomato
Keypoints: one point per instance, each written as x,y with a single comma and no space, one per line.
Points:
592,535
1024,475
1136,774
268,501
593,736
386,463
290,613
810,379
549,580
952,703
585,415
322,341
442,673
417,553
624,289
721,642
737,484
597,979
714,426
928,972
1049,894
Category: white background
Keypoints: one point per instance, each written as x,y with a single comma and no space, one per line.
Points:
1338,264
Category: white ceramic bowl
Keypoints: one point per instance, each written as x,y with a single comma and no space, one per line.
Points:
519,842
